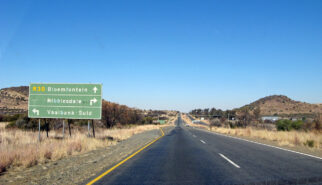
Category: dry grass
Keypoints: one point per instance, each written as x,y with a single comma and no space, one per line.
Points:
282,138
21,148
292,138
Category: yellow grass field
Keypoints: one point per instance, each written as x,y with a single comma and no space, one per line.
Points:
21,148
283,138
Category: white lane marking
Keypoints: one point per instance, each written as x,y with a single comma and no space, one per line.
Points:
316,157
202,141
194,135
231,162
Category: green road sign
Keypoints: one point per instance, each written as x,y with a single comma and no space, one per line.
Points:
70,101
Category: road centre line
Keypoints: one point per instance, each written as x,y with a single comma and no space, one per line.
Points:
202,141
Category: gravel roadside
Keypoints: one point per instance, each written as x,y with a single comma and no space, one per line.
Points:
79,168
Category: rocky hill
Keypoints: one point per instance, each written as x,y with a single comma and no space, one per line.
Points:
14,100
282,105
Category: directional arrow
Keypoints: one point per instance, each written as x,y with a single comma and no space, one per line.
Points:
35,111
95,89
93,101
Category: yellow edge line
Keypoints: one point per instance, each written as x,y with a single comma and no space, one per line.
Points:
129,157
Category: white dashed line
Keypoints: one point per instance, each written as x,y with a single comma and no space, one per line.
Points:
202,141
231,162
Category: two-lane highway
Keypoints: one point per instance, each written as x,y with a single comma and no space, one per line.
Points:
191,156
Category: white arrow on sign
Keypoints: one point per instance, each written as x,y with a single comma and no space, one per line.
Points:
35,111
95,89
93,101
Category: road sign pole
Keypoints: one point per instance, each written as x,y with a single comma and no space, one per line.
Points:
70,132
93,128
39,130
63,128
88,128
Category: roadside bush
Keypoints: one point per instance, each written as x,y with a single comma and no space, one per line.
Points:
318,122
297,125
147,120
307,126
9,118
309,143
81,122
288,125
22,122
215,123
232,125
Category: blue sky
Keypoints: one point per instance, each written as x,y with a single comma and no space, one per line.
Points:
167,54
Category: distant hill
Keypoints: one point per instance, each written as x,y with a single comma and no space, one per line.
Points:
283,105
14,100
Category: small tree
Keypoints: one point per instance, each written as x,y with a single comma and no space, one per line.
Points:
257,113
244,117
318,122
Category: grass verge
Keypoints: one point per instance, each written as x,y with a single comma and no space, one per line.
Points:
20,148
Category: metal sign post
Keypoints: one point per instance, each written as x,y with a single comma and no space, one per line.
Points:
88,128
63,128
39,130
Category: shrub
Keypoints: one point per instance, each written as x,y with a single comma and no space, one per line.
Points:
215,122
9,118
12,124
288,125
48,154
297,125
21,122
232,125
309,143
147,120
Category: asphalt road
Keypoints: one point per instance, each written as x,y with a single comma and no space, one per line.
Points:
191,156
